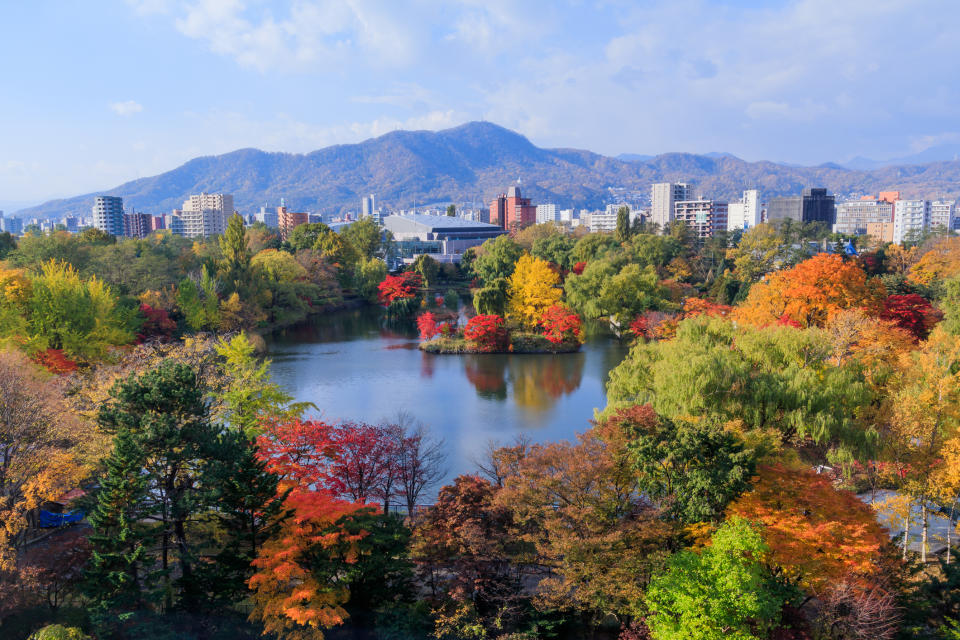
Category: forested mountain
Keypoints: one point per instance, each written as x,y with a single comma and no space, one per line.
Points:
474,162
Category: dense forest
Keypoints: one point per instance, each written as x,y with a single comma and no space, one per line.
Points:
773,375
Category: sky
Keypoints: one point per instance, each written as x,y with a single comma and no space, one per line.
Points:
93,94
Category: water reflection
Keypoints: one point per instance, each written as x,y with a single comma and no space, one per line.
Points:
539,380
487,374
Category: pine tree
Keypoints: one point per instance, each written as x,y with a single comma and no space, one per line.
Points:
249,509
623,224
112,580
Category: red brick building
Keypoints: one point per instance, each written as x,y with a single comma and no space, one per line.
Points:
512,211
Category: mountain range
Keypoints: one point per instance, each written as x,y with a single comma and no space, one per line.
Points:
474,162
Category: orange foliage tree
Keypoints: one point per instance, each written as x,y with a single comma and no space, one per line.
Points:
816,533
288,599
940,262
809,293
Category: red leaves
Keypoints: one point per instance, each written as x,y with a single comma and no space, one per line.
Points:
156,324
488,333
560,325
405,285
700,307
579,267
54,361
427,326
912,313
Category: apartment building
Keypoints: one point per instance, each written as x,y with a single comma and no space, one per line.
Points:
706,218
108,215
744,213
910,218
206,214
854,216
943,213
663,198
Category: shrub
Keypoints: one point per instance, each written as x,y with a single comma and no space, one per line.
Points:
487,333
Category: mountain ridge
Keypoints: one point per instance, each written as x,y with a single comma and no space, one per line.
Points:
474,162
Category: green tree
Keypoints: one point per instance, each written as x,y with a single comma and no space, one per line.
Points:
691,469
8,243
555,248
279,266
118,538
249,395
165,414
497,259
776,378
369,273
364,236
593,246
491,300
623,224
723,593
305,236
235,260
428,268
452,210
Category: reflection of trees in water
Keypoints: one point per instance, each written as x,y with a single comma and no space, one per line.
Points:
347,325
538,380
426,364
487,373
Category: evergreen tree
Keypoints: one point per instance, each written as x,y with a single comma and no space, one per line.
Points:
114,572
166,414
235,265
249,511
623,224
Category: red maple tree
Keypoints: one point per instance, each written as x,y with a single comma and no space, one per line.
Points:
912,313
561,325
156,324
579,267
487,333
427,326
405,285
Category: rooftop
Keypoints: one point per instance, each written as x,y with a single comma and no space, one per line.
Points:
443,223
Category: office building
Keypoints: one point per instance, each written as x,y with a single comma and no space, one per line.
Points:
287,221
744,213
368,205
663,197
910,218
108,214
943,214
206,214
511,211
853,217
706,218
267,217
547,213
813,205
880,231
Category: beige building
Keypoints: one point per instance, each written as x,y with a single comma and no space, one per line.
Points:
881,231
206,214
854,216
707,218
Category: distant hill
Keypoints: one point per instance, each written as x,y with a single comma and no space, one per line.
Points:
474,162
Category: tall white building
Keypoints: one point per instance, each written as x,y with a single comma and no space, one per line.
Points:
597,221
206,214
663,197
566,215
943,213
744,213
547,213
910,218
367,205
108,215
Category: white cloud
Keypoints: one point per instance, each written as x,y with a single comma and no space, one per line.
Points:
126,109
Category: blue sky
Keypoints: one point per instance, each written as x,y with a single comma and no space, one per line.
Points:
96,93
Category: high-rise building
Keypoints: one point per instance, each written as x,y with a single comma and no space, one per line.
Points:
706,218
910,218
174,222
943,213
157,223
512,211
267,217
287,221
108,214
813,205
853,216
547,213
744,213
368,205
663,196
137,225
206,214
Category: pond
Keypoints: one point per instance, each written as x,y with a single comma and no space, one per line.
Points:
355,366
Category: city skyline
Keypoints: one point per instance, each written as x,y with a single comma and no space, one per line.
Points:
785,81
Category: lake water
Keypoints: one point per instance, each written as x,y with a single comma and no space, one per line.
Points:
354,366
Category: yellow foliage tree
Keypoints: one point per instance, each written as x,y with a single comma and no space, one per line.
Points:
942,261
532,290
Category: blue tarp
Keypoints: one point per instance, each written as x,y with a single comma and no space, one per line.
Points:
49,519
